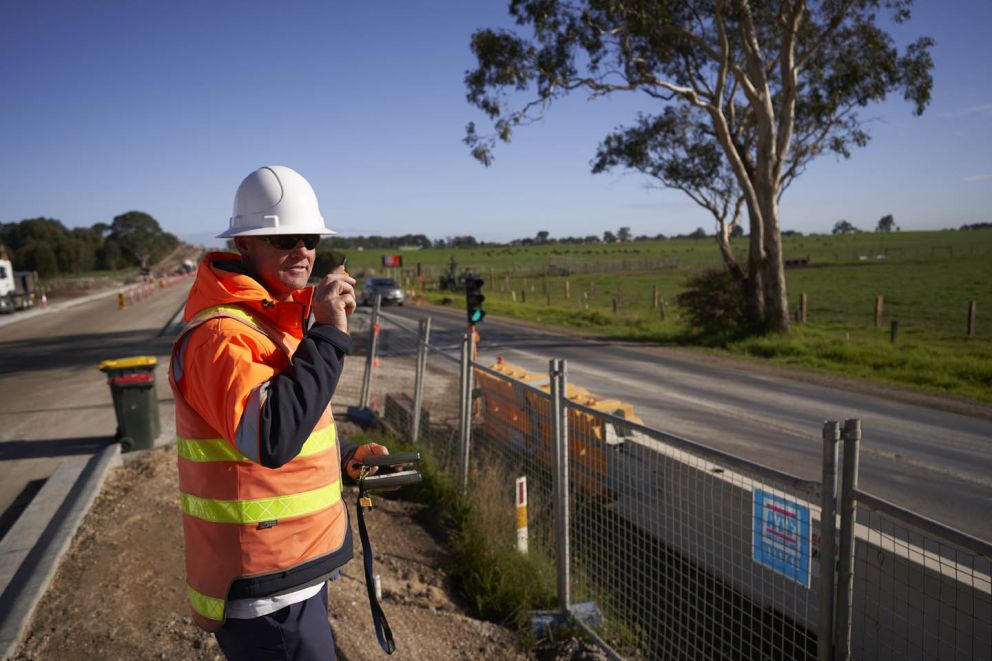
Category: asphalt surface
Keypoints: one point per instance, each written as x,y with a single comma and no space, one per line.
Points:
54,403
932,461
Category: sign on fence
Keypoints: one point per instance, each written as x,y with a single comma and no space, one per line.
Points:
781,536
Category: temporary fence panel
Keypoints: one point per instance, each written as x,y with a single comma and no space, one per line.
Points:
689,552
677,550
508,413
918,594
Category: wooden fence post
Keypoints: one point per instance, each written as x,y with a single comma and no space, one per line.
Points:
894,333
972,313
592,290
803,301
616,307
879,303
654,297
568,290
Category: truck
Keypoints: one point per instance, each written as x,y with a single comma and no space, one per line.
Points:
17,288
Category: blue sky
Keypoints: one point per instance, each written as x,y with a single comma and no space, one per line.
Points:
109,106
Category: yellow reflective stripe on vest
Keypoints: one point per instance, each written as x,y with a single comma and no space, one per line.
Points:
261,509
233,310
217,449
207,449
209,607
245,317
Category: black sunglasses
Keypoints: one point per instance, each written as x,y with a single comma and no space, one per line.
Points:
289,241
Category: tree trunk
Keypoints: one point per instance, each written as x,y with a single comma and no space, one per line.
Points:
729,259
776,300
754,291
753,296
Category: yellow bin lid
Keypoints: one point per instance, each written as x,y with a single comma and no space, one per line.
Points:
126,363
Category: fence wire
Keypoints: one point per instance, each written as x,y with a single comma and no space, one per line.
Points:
664,543
393,376
917,594
677,550
511,438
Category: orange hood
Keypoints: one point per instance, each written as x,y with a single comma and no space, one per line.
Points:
222,280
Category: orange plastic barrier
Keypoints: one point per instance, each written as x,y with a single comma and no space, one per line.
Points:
503,413
520,417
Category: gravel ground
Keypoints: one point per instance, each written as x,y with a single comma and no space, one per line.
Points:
119,590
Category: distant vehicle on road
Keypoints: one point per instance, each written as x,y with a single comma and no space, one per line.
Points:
391,292
16,288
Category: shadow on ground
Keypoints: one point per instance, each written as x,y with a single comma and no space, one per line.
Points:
59,447
48,353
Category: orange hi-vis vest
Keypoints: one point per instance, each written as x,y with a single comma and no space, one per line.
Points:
252,531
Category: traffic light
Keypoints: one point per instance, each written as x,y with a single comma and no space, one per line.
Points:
474,298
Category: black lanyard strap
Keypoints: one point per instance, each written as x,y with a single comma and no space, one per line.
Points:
382,630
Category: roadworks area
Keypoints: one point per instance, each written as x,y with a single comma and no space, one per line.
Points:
119,590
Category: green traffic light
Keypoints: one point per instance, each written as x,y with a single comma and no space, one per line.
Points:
476,316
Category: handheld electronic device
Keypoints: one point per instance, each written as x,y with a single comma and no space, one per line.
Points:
390,474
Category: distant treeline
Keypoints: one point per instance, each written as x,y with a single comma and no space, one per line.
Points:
373,242
977,226
623,235
47,246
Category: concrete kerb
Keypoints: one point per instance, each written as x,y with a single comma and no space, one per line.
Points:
32,549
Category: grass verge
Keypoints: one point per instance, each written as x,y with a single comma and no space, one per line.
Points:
924,358
498,583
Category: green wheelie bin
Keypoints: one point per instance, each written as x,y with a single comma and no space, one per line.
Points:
132,386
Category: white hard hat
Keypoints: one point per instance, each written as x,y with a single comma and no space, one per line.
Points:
275,200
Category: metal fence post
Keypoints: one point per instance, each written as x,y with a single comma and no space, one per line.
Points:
465,411
370,356
421,375
828,516
557,371
848,513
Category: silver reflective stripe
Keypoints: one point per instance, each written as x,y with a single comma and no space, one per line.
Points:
178,358
247,436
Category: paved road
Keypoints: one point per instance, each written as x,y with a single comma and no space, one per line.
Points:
932,461
54,404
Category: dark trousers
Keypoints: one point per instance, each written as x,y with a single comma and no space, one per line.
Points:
299,632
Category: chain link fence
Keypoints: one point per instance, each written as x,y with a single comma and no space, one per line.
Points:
665,548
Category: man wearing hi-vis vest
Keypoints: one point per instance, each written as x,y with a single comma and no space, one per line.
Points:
260,462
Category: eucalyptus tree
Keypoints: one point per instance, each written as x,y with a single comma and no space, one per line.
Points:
743,95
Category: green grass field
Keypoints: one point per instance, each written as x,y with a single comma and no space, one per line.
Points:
926,280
